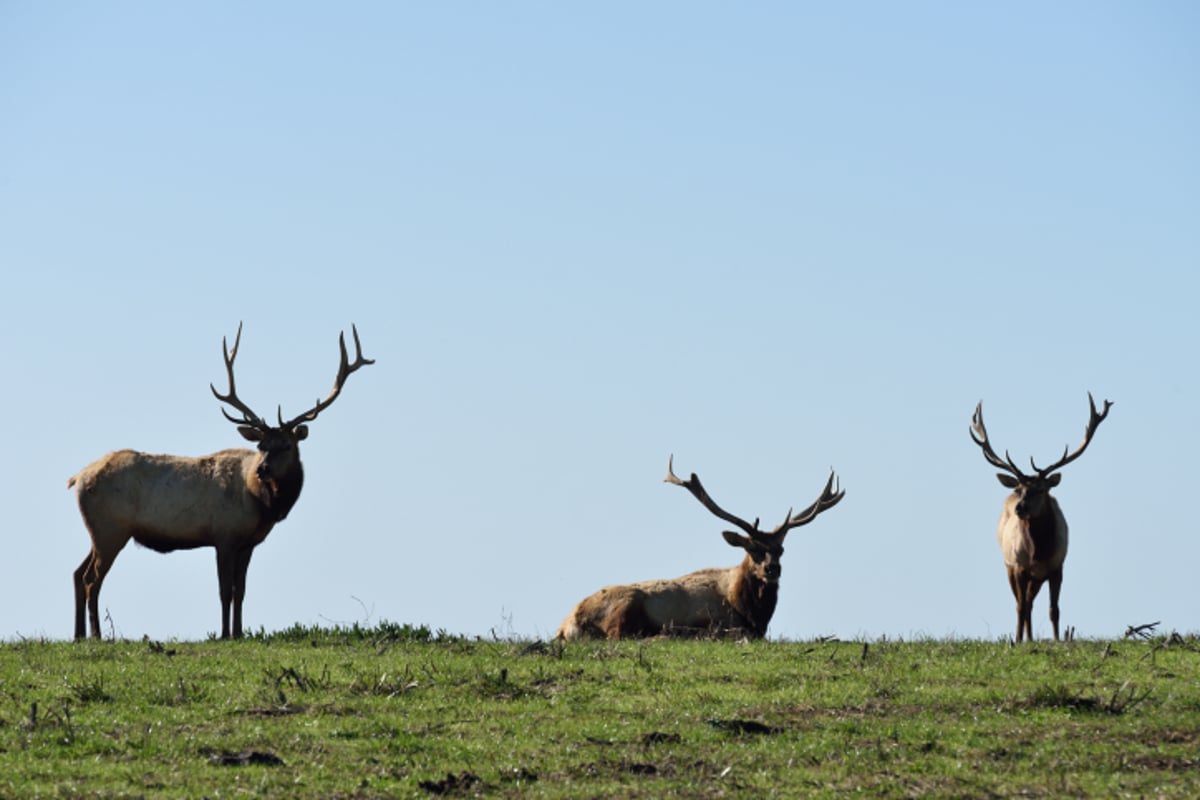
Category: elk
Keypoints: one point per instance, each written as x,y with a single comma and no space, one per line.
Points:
229,500
738,600
1033,530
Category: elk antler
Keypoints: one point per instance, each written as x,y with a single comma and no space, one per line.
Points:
829,498
344,370
1094,420
693,485
248,415
980,437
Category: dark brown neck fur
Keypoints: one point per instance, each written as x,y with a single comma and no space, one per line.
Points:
755,600
280,494
1041,531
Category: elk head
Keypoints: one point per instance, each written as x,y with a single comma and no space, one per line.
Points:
278,445
764,548
1032,490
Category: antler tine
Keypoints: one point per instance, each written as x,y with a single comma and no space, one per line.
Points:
1094,420
671,478
345,368
248,415
980,437
694,486
831,495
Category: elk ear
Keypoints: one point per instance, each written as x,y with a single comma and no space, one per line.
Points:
1008,481
250,434
301,432
737,540
1053,480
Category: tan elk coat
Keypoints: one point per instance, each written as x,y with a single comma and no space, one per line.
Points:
714,600
1036,546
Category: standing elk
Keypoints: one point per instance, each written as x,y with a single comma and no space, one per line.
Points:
229,500
1033,530
737,599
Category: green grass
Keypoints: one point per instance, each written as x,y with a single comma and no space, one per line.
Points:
397,711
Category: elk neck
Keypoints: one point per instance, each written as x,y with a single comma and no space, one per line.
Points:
1042,531
279,493
754,598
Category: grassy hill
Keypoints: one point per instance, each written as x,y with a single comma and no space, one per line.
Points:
396,711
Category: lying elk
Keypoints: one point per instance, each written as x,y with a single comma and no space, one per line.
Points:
1033,531
735,599
228,500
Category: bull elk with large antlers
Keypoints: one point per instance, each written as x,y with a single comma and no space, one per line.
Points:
228,500
737,599
1033,530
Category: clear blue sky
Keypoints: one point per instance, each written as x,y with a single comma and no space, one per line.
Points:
767,238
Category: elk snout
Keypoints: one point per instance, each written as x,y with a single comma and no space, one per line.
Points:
1022,509
771,570
1029,503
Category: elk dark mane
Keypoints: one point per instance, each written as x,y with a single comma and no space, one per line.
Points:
756,601
279,495
1042,531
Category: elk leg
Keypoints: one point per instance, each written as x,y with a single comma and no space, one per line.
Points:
241,564
1017,584
81,593
99,568
628,618
1032,588
1055,586
225,573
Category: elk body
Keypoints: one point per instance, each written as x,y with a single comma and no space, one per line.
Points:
1033,530
737,599
229,500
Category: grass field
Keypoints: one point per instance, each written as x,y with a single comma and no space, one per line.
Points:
396,711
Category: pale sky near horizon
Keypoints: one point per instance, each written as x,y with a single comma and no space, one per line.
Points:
767,238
